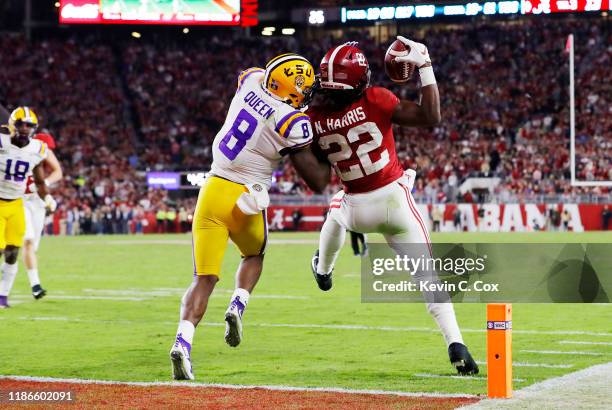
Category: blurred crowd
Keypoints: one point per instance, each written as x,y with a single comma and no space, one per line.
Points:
120,110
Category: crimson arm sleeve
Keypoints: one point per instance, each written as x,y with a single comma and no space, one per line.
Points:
384,100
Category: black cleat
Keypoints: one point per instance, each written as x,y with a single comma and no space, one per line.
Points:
324,281
461,358
38,292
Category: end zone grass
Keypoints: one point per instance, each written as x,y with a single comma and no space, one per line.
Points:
112,311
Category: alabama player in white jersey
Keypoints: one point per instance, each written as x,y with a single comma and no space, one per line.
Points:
353,130
20,158
263,124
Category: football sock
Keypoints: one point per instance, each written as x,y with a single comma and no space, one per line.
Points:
186,329
243,294
8,277
444,315
330,243
33,276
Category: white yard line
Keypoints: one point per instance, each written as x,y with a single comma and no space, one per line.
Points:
579,342
544,365
334,327
585,389
187,242
562,352
448,376
84,297
141,296
238,386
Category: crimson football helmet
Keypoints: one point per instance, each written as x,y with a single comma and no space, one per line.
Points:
345,67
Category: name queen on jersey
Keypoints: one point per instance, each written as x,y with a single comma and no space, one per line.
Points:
278,129
17,165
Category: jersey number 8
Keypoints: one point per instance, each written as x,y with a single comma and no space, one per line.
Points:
236,138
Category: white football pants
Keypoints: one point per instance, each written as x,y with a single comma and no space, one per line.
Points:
391,211
35,219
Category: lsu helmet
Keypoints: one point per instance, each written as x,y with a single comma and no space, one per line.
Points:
22,115
345,67
291,78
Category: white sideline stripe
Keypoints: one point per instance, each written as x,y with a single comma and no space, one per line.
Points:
147,296
338,327
587,388
188,242
239,387
448,376
578,342
562,352
85,297
545,365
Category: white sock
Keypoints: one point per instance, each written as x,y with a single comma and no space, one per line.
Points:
33,276
444,315
243,294
186,329
8,278
330,242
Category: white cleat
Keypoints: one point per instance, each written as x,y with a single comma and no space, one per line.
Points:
180,356
233,322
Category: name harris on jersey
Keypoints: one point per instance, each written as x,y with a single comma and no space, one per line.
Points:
350,118
259,105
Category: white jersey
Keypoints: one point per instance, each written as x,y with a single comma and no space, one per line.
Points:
16,165
258,131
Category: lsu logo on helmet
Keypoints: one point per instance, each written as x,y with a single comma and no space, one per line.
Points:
291,78
22,115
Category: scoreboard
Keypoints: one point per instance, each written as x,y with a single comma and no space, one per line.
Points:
424,10
173,12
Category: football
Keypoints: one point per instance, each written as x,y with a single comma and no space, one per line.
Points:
398,72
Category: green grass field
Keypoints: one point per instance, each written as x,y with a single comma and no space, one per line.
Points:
112,310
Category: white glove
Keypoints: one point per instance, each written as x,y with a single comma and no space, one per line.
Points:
418,54
411,175
50,203
254,201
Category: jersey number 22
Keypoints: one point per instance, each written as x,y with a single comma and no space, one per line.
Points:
342,160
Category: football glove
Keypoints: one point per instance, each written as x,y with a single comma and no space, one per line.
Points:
418,54
254,201
50,203
411,175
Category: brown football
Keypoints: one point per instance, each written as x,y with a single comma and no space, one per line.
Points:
398,72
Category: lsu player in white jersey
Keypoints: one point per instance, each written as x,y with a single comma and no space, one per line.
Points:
264,123
35,209
20,158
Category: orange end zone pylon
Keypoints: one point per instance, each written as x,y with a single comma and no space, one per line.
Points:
499,350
